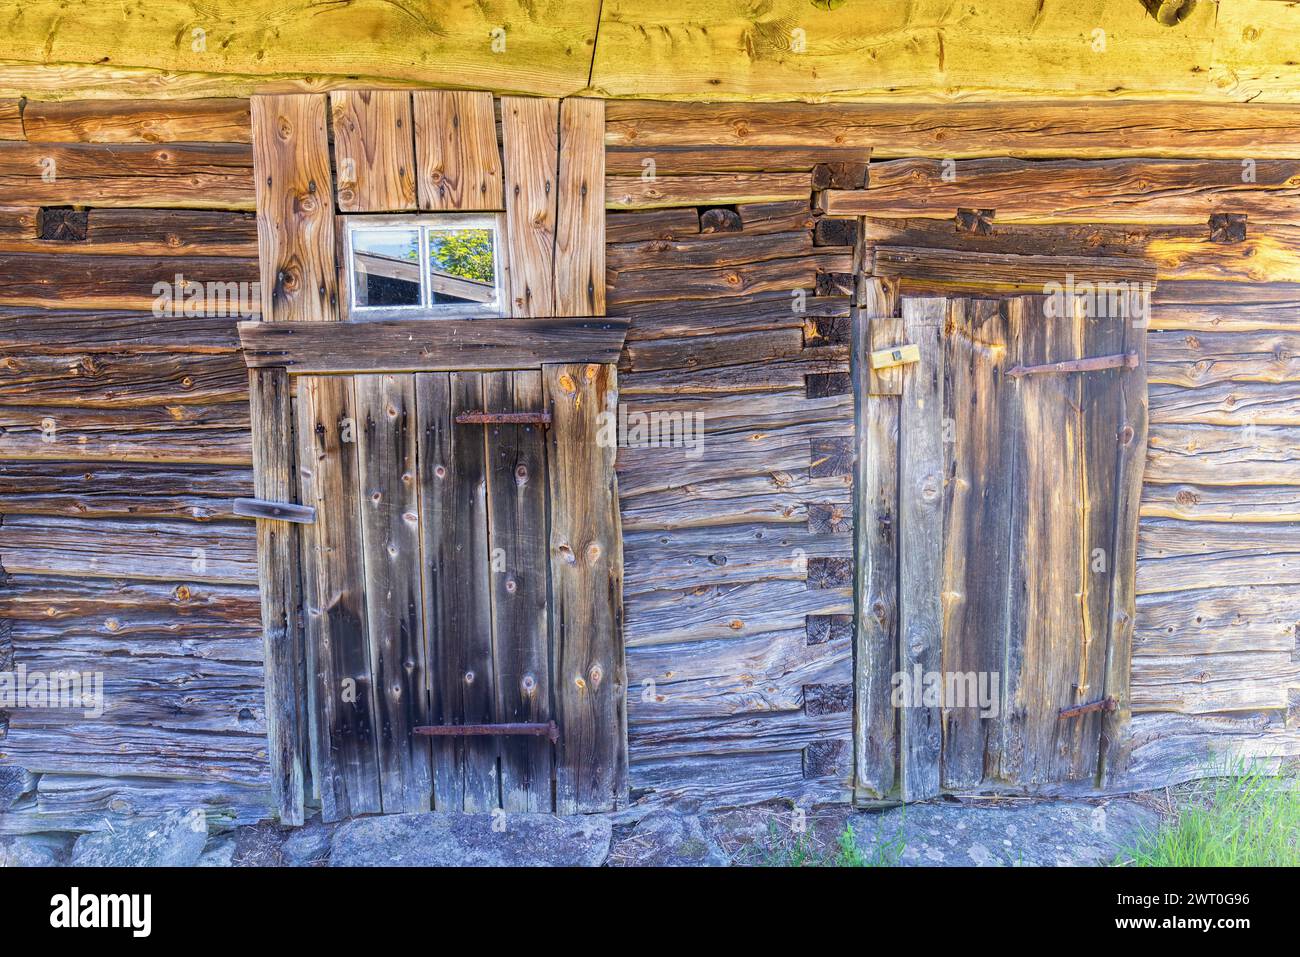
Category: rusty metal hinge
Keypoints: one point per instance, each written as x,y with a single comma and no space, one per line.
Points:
1107,703
1128,360
503,418
547,729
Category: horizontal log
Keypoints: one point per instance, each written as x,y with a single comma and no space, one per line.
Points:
1269,252
662,284
87,803
688,558
684,160
1164,538
1105,191
11,119
1227,403
716,736
729,780
96,748
215,285
1024,273
779,217
774,497
692,353
122,490
1284,295
144,233
113,548
710,250
1044,129
1223,455
1227,618
116,380
216,434
1209,503
731,676
731,610
1167,746
780,309
19,223
207,176
138,121
33,331
633,192
1194,359
120,616
430,345
641,225
1199,684
1192,572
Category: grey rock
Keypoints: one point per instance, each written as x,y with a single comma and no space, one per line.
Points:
168,840
308,844
35,850
470,840
15,783
219,852
1031,834
667,839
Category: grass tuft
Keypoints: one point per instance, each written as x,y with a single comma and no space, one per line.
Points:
1244,819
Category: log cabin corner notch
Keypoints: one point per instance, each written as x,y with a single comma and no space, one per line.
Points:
464,570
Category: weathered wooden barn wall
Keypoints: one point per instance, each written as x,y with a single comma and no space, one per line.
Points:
1216,665
124,436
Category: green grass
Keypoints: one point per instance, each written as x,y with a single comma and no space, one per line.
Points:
805,851
1245,819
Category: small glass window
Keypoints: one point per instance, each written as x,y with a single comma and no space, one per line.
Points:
429,266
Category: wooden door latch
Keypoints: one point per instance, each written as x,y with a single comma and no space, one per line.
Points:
896,356
280,511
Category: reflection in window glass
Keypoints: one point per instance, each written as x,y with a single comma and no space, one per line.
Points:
386,264
461,266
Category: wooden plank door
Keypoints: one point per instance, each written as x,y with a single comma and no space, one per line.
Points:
1019,444
452,571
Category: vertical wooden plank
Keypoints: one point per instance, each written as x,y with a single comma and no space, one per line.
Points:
880,305
458,162
1132,445
580,221
586,558
920,506
434,457
390,532
1045,631
279,587
295,208
374,156
334,602
454,534
977,522
530,140
875,490
1101,403
516,474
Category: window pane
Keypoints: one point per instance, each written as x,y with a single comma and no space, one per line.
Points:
386,267
462,266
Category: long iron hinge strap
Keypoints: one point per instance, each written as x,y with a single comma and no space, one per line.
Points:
503,418
1127,360
1105,704
547,729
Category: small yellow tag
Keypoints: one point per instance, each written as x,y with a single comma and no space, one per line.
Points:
897,356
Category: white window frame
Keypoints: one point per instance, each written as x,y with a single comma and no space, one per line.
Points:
427,308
